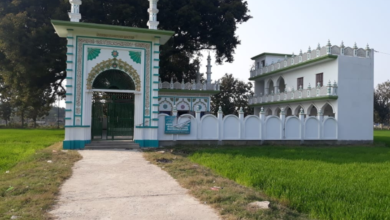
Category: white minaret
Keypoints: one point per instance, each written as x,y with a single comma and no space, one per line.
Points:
74,13
153,11
208,70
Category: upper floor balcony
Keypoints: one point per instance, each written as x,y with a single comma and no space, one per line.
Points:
317,93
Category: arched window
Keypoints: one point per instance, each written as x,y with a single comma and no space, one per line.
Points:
297,111
281,84
328,110
277,112
268,112
113,79
312,111
288,112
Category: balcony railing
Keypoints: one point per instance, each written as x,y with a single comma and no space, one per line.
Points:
189,86
317,92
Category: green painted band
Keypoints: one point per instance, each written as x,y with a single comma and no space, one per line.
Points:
157,44
70,54
212,92
146,126
77,116
156,67
69,45
69,61
297,100
155,97
156,105
69,86
295,66
69,77
68,110
156,59
68,118
156,82
156,90
156,112
156,74
156,51
69,94
155,119
74,144
68,102
69,70
69,29
157,37
77,126
70,37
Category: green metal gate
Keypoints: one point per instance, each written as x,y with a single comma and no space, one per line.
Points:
120,120
97,120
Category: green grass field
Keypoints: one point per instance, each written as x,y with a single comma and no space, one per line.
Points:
324,182
17,144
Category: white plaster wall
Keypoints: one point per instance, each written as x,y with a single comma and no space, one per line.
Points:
253,128
273,128
209,127
330,129
231,128
312,128
161,129
293,128
194,128
355,102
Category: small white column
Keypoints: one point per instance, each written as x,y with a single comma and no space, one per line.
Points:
74,13
208,70
241,119
320,115
220,118
174,111
262,114
153,11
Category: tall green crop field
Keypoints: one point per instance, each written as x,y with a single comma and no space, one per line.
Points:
325,182
17,144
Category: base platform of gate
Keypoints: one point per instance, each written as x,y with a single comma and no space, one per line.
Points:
110,145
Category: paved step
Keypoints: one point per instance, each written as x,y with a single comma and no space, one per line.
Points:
117,144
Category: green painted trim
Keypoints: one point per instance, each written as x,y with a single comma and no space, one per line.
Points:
156,74
297,100
112,27
69,29
68,110
146,127
271,54
77,126
157,44
156,67
147,143
69,70
211,92
69,45
154,119
77,116
70,37
69,77
156,52
156,90
68,102
156,82
68,94
157,37
74,145
155,97
156,105
69,61
295,66
68,118
156,112
68,86
70,54
156,59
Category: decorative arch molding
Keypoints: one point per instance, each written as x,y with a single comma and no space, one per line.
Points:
116,64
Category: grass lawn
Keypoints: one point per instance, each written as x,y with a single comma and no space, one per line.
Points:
29,188
323,182
17,144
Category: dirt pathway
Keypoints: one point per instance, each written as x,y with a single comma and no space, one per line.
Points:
123,185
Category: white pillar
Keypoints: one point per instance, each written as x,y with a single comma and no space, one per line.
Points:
208,70
220,117
74,13
241,119
153,11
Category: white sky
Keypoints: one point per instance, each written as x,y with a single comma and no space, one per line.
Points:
285,26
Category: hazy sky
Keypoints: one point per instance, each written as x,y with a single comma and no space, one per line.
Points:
286,26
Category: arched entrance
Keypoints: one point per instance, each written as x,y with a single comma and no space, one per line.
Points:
113,111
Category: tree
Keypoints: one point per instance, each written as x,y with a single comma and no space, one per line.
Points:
382,103
5,112
198,25
233,95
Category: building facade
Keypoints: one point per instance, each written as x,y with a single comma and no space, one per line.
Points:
330,81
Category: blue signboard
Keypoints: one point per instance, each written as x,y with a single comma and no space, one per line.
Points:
172,127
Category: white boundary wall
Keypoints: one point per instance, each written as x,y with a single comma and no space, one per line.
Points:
253,127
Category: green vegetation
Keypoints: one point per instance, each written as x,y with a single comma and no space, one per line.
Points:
18,144
324,182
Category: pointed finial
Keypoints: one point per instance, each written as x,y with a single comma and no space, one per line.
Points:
153,11
318,47
309,50
302,112
74,13
262,110
220,109
329,44
300,52
292,55
367,47
342,44
241,110
355,46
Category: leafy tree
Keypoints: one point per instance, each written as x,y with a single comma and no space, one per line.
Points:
382,103
198,25
5,111
233,95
